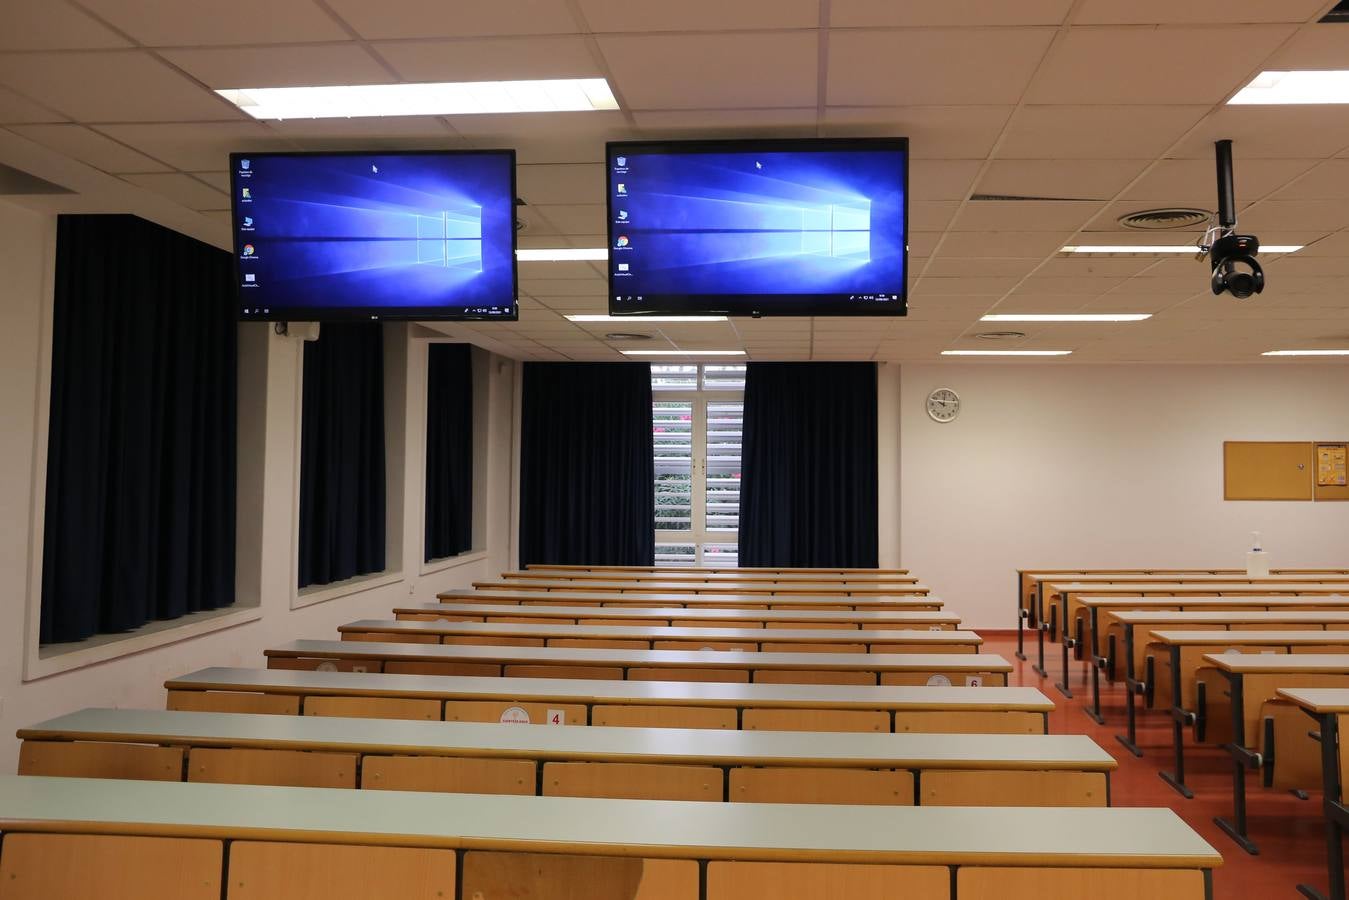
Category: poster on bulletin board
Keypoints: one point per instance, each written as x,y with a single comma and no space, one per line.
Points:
1331,468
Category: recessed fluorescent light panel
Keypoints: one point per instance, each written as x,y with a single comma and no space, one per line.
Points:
1152,250
1071,317
561,254
1005,352
637,320
450,98
683,352
1295,88
1344,352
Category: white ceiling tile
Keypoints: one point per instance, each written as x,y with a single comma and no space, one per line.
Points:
373,128
932,67
14,108
931,179
934,132
1194,12
573,219
569,137
969,286
1327,215
1084,285
1009,243
699,15
883,13
303,66
561,184
1172,179
183,189
946,268
462,18
733,70
1327,180
1025,215
111,86
491,59
53,25
1096,132
218,180
1088,267
1058,178
200,146
1134,65
90,147
159,24
1277,132
931,215
727,123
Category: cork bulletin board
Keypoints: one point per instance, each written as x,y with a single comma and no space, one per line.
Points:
1267,470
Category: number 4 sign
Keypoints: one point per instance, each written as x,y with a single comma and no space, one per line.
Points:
557,717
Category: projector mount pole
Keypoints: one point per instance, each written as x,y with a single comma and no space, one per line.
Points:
1227,215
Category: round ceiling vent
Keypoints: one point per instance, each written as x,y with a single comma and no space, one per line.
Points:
626,336
1001,335
1163,219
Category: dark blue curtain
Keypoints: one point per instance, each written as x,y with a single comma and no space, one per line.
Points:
449,450
141,444
342,519
587,478
808,489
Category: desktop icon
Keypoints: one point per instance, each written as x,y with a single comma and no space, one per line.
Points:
248,250
622,241
244,164
247,194
622,267
250,278
248,221
622,161
622,215
622,188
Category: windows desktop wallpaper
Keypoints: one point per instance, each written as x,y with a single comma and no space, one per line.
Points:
782,225
422,235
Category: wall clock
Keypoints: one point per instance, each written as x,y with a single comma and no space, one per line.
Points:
943,405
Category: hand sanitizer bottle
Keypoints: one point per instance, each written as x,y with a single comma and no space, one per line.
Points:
1257,560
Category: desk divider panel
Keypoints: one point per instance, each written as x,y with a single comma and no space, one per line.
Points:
233,701
853,787
518,712
294,768
853,720
57,866
374,708
801,881
448,775
539,876
633,781
136,762
415,667
976,788
665,717
998,883
272,871
974,721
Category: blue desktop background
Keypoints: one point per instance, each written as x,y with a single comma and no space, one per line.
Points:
429,234
820,223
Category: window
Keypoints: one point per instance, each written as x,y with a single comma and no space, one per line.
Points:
696,416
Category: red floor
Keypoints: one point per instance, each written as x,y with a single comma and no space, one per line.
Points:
1289,831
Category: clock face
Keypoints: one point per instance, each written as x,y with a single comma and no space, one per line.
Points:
943,405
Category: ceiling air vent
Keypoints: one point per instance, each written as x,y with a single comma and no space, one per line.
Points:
626,336
1339,14
1000,335
1163,219
1013,198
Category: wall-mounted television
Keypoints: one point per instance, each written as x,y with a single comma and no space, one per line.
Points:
377,235
758,227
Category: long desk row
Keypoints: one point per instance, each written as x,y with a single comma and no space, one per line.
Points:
631,763
563,611
789,588
514,595
638,636
942,669
175,841
766,707
743,576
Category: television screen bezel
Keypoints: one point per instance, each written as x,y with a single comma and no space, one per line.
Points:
755,305
370,314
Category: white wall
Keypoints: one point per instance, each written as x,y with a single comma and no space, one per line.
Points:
269,431
1098,466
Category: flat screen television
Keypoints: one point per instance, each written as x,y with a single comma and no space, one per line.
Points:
758,227
377,235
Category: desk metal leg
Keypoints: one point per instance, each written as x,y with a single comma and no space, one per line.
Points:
1242,759
1179,719
1021,616
1097,662
1132,687
1040,626
1067,645
1335,812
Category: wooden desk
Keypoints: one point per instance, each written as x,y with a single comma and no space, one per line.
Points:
1123,618
843,588
772,707
730,578
1330,708
281,843
934,669
1070,595
664,637
866,617
1254,680
686,600
632,763
804,570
